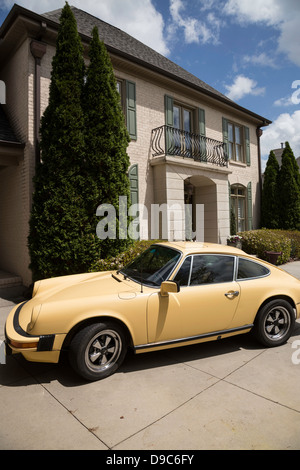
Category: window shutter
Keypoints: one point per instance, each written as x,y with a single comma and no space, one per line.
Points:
134,184
249,205
202,133
202,130
134,194
169,120
225,135
131,109
247,145
169,102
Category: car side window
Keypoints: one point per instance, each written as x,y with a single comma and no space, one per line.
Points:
208,269
183,275
248,269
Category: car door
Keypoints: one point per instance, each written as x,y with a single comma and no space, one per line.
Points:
206,303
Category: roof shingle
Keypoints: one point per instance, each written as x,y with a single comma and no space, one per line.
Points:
117,39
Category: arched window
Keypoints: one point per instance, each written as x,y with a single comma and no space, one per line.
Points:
238,207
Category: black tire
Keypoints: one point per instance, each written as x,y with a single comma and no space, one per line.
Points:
274,323
98,350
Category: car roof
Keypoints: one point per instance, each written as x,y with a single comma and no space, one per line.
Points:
189,247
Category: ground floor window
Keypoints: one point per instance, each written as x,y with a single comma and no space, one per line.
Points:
238,208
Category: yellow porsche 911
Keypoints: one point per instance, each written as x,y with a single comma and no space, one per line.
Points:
174,294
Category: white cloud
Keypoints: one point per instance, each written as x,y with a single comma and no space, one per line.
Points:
267,11
282,15
285,101
138,18
195,31
261,59
243,86
286,128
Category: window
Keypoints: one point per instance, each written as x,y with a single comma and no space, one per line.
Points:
206,269
120,91
182,118
235,142
185,125
182,122
237,138
153,266
249,269
183,275
238,207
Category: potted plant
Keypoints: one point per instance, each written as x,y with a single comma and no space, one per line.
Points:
235,240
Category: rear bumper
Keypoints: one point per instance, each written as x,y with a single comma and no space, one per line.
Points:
41,348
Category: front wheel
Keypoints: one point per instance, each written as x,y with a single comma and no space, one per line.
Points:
274,323
98,350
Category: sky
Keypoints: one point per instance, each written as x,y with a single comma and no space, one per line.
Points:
249,50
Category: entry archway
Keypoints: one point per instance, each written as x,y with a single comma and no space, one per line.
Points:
201,190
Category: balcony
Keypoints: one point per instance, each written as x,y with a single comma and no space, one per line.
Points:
168,140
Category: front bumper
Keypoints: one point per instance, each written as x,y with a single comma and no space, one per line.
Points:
41,348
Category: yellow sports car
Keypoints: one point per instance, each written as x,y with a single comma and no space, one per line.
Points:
174,294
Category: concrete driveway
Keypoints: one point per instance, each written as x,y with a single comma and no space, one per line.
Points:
231,394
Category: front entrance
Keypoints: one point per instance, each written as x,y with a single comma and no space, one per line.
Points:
200,197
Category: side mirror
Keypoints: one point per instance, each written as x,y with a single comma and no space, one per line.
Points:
169,287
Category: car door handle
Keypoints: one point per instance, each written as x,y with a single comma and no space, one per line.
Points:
232,293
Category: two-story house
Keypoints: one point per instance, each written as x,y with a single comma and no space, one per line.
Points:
189,143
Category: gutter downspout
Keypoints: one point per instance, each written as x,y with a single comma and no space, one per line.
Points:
38,50
259,133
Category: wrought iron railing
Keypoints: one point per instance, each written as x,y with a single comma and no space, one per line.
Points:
168,140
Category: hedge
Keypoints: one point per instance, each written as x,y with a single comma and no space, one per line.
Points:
122,259
258,242
254,242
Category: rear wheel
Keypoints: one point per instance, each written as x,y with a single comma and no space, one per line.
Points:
98,350
274,323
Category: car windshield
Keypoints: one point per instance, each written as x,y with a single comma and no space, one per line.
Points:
153,266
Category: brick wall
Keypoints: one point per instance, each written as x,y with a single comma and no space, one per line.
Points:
154,182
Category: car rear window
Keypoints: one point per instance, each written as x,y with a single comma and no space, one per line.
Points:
248,269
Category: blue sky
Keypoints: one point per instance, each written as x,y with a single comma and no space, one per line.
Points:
247,49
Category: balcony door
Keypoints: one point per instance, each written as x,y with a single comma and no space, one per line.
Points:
183,122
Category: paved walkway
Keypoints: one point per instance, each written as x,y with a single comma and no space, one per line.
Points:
231,394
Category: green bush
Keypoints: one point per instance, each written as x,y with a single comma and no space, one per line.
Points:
117,262
258,242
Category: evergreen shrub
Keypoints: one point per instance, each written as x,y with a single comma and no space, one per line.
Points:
258,242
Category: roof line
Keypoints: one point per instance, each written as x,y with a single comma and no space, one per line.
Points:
19,10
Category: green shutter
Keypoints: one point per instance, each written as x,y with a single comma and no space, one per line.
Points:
249,205
225,135
201,115
202,133
134,184
131,109
247,145
169,102
134,194
169,120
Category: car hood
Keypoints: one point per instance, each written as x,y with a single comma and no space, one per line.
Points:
83,285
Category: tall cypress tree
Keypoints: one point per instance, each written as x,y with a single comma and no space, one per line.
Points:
289,191
269,210
106,138
62,239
